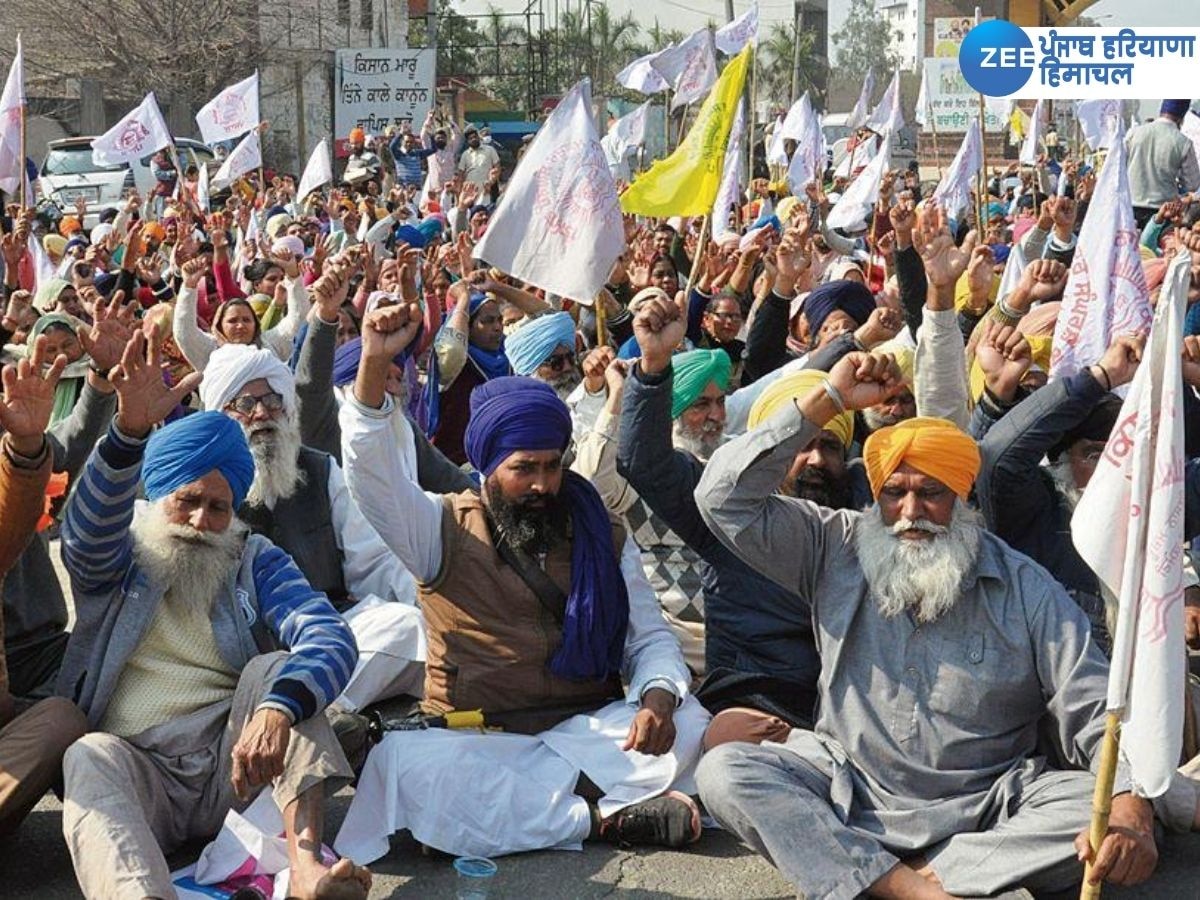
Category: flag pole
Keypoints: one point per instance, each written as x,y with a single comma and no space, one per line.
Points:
937,154
682,124
981,199
701,246
1102,797
753,113
667,122
25,199
601,321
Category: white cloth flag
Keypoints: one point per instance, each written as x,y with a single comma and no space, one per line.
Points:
887,117
1190,126
797,118
1106,292
317,172
861,156
1100,122
245,157
1033,139
858,115
628,132
1137,491
699,71
558,225
203,198
731,38
922,112
854,207
808,162
641,76
142,132
953,192
231,113
43,269
727,193
776,154
12,101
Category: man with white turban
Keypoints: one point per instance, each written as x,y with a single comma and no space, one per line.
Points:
945,656
300,501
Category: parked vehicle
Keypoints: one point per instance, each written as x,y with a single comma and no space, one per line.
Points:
68,172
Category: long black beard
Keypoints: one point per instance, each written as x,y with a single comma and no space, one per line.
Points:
823,490
532,529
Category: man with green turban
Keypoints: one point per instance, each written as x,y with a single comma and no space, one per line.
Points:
698,400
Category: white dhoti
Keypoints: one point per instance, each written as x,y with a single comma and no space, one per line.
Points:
391,652
472,794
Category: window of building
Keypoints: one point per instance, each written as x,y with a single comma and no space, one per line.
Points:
343,12
368,14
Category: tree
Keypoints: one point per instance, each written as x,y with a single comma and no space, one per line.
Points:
776,64
866,40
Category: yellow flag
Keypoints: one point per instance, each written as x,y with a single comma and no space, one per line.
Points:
686,182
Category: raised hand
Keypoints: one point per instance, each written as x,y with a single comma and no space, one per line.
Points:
1042,280
194,271
143,399
944,262
113,324
979,271
903,217
1004,357
1121,359
594,366
19,305
882,325
660,325
1191,360
28,398
386,330
864,379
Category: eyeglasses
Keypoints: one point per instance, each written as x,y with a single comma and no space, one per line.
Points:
246,404
559,361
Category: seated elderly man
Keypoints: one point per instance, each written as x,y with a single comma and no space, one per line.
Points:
537,611
172,661
944,655
32,741
761,657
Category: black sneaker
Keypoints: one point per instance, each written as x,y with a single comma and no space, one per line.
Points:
672,820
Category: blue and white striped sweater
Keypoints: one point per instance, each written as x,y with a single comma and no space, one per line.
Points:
114,604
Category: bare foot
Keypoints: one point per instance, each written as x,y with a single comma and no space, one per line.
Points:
343,881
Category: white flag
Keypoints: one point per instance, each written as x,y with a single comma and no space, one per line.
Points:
318,171
1000,107
797,118
854,207
245,157
731,38
861,156
141,133
641,76
776,154
12,102
887,117
231,113
953,192
1190,126
727,193
628,132
858,115
43,269
1033,139
558,225
1106,292
203,198
1137,492
922,111
1100,122
808,162
699,68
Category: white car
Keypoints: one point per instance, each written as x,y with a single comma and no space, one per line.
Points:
68,173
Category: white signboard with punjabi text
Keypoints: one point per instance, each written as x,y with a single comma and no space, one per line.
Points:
953,103
378,88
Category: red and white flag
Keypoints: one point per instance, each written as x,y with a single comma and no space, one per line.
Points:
862,108
245,157
318,172
731,38
12,103
887,118
231,113
953,192
854,207
142,132
1137,492
559,225
1106,292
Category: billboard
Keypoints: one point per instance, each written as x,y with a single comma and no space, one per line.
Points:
378,88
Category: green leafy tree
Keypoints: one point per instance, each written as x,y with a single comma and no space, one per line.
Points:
776,62
865,40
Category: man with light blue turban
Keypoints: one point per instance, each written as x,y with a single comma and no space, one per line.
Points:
201,656
538,614
544,348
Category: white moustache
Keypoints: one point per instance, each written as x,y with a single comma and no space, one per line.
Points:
902,525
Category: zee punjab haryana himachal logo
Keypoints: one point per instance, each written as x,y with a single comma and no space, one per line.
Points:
997,58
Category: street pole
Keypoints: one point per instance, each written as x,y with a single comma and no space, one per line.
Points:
798,8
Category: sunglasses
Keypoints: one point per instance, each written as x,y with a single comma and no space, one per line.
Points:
246,404
559,361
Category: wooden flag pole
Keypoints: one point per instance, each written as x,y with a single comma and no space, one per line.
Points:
25,199
682,123
752,115
983,181
937,153
601,319
698,261
667,122
1102,797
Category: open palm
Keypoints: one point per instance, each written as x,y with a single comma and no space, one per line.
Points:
28,396
143,398
112,326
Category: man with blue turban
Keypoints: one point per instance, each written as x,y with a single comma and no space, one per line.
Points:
537,613
544,348
176,656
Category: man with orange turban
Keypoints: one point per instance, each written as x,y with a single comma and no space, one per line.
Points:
944,654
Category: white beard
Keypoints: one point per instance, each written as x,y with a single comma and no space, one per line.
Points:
701,444
564,385
923,576
186,563
875,420
275,446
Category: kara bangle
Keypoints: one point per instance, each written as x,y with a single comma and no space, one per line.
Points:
834,395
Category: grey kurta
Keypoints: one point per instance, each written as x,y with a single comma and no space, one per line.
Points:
924,730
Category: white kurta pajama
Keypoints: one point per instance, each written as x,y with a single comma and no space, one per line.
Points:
491,794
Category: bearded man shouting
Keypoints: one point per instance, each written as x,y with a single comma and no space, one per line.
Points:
942,652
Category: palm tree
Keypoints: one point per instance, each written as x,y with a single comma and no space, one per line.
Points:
501,36
776,64
613,43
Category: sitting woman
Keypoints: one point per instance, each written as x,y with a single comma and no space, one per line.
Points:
61,338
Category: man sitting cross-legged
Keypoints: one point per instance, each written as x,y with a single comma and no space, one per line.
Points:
171,659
